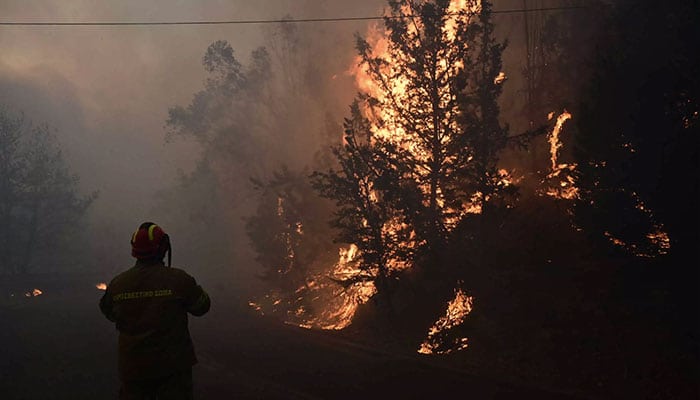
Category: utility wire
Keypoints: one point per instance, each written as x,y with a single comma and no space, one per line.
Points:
260,21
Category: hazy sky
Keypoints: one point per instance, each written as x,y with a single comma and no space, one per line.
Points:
107,89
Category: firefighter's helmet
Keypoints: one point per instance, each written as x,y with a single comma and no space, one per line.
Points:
150,242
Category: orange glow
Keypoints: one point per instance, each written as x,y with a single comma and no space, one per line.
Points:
256,307
325,301
559,183
500,78
34,293
280,207
658,240
392,95
101,286
330,300
338,303
344,301
457,311
554,141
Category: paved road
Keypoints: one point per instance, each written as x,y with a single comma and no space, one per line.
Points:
304,365
58,346
257,358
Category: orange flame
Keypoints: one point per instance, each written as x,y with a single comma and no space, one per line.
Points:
34,293
554,141
559,182
339,294
658,238
345,301
457,311
500,78
333,304
385,120
101,286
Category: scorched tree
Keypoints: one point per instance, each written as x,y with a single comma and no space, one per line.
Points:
423,139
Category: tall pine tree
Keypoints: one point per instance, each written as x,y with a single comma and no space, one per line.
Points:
423,139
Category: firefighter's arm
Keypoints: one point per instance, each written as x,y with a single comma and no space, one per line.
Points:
197,301
106,306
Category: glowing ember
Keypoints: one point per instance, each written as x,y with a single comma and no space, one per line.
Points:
689,121
457,311
500,78
34,293
660,240
101,286
256,307
658,243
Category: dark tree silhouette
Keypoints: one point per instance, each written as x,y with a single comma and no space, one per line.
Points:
40,207
227,115
260,125
370,194
637,147
288,232
560,46
420,150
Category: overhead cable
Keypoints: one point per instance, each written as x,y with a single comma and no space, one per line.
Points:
252,21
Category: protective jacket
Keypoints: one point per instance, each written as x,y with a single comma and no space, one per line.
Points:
149,304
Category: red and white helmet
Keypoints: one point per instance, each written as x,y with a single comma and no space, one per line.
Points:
150,241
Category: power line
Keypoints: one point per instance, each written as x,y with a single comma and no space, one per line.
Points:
257,21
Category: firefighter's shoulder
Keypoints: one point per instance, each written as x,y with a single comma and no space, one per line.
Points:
181,274
122,277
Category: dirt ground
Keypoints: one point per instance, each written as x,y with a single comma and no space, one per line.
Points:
58,346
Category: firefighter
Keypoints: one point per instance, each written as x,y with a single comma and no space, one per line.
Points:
149,304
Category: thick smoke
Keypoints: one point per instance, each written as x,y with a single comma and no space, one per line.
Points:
107,92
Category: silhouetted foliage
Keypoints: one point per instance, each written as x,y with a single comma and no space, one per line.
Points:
261,125
638,144
370,195
561,45
40,207
422,149
288,231
227,117
567,304
193,207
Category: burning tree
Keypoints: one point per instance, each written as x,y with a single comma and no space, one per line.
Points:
372,197
423,139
